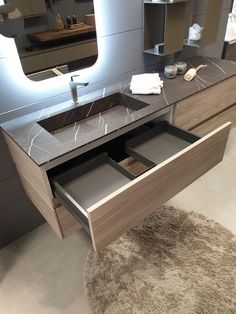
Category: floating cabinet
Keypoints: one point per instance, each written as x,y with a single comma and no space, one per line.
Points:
209,21
165,25
30,8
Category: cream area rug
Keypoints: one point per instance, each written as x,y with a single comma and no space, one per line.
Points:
174,262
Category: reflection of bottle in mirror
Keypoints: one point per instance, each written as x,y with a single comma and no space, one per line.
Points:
74,19
59,24
68,20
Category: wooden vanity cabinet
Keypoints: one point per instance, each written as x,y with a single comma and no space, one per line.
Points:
206,110
100,190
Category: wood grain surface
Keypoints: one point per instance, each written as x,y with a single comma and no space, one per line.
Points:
200,107
64,33
125,208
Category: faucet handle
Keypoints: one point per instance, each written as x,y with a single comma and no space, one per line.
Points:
78,83
73,76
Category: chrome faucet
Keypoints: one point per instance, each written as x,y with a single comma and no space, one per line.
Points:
73,88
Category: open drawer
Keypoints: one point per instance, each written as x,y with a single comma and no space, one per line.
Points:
108,198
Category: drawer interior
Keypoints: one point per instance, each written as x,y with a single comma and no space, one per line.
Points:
159,143
93,180
83,182
136,167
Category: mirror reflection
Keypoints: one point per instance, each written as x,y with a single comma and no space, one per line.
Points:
59,36
11,21
231,26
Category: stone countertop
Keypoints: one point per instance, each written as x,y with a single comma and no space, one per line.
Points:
43,146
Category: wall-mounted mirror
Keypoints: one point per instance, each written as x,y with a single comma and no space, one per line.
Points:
229,51
59,36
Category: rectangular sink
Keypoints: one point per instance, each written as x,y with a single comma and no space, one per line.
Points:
92,116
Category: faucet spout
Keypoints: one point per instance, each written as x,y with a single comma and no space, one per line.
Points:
73,88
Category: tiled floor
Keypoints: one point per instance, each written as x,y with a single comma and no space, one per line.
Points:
39,274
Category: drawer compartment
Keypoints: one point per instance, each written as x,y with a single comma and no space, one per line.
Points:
84,185
113,196
159,143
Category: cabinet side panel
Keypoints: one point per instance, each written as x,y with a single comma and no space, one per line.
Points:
211,25
26,167
47,212
176,23
154,20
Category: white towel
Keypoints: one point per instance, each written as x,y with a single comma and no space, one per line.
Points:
148,83
148,80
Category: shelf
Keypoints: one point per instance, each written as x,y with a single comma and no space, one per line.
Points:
64,33
192,43
152,52
161,22
210,23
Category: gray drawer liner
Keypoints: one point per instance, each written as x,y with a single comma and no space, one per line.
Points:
91,181
159,143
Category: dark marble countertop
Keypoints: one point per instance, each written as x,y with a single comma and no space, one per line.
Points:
44,145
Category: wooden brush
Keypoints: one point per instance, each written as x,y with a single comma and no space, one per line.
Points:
189,76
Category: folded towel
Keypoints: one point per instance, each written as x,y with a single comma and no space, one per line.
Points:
145,81
144,84
156,91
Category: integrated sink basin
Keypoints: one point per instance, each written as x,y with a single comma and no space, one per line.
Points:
100,114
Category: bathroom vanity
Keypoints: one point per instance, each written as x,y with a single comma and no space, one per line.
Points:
108,164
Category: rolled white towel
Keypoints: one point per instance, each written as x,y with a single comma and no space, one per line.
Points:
145,81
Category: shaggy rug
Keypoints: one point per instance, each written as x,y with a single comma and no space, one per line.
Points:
175,262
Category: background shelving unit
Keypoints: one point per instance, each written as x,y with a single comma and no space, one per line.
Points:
166,23
210,23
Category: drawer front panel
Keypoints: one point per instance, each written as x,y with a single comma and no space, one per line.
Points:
34,63
126,207
212,124
198,108
64,55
